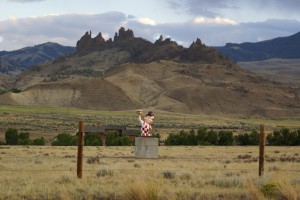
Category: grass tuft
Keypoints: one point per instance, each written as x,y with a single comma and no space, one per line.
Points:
141,190
227,182
105,172
169,175
93,160
270,190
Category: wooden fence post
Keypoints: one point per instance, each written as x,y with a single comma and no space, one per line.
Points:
261,150
80,150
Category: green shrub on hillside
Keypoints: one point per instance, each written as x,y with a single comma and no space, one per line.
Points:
15,90
2,91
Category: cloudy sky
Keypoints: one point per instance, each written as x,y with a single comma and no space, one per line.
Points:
216,22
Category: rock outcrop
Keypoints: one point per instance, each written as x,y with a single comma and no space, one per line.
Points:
87,43
123,35
200,52
142,50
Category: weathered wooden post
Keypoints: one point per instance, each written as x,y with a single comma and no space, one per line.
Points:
80,150
261,150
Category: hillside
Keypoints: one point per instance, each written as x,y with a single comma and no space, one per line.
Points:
282,47
281,70
6,81
132,73
17,61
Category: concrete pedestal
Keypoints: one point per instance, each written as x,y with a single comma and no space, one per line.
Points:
146,147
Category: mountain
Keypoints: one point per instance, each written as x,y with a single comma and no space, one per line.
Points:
129,73
282,47
19,60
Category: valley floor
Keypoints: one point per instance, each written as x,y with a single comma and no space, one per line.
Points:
31,172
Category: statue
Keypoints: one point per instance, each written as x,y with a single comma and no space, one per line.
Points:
146,123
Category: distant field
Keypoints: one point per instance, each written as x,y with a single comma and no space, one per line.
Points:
48,122
32,172
281,70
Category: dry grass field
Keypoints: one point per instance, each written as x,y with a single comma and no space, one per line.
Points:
46,172
31,172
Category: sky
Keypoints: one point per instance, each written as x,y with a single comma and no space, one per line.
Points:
215,22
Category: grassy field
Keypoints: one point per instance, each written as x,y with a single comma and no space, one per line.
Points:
31,172
48,122
46,172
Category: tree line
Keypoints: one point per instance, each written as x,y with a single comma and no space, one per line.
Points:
12,137
112,139
203,136
281,137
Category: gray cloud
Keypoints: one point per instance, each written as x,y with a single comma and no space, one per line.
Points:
64,29
216,34
206,8
24,1
193,7
215,8
67,29
287,5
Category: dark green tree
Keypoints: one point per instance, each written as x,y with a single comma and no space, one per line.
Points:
65,139
247,139
202,136
11,136
242,139
171,139
110,138
283,137
191,138
122,141
92,139
298,136
225,138
115,139
38,141
254,138
23,138
212,137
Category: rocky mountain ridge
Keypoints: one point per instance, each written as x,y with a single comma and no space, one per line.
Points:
142,50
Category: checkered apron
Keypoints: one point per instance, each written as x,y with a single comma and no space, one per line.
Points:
145,129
